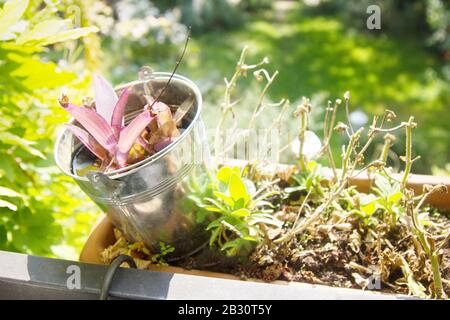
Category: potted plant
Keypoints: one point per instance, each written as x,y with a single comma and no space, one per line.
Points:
132,148
355,224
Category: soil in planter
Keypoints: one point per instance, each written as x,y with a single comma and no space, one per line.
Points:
338,257
337,250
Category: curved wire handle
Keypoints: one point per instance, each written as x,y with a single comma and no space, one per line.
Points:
109,276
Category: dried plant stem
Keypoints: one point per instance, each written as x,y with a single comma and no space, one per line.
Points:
414,287
374,130
301,139
435,268
339,187
426,241
259,106
408,155
177,64
301,208
346,160
327,132
386,148
314,216
228,105
347,112
349,163
277,124
372,133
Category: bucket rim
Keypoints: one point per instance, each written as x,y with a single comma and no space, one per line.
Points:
122,172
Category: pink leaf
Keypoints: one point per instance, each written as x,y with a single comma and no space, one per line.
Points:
88,141
166,124
161,144
105,97
99,129
130,134
163,112
117,120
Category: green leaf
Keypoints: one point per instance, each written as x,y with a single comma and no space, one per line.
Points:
69,35
265,196
237,188
239,204
198,202
266,219
11,139
9,205
225,198
395,197
309,183
241,213
6,192
368,204
359,213
265,203
53,31
224,174
299,179
44,29
212,209
369,208
217,204
230,227
10,14
214,236
385,186
311,166
233,244
294,189
214,224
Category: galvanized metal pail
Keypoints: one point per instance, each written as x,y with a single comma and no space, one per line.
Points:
142,200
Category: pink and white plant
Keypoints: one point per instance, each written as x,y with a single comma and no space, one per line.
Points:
103,129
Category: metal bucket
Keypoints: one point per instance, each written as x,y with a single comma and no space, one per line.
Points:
142,200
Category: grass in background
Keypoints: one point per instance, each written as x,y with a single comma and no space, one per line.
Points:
320,57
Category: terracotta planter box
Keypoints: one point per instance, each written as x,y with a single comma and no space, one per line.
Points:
102,236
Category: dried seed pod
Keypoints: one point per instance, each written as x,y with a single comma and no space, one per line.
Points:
258,76
378,164
347,95
441,188
305,107
389,138
89,102
390,115
359,158
64,100
341,127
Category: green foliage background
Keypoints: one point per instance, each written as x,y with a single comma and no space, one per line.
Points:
41,212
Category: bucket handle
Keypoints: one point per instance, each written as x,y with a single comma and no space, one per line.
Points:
106,185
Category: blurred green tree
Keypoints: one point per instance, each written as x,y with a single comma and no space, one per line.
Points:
40,210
